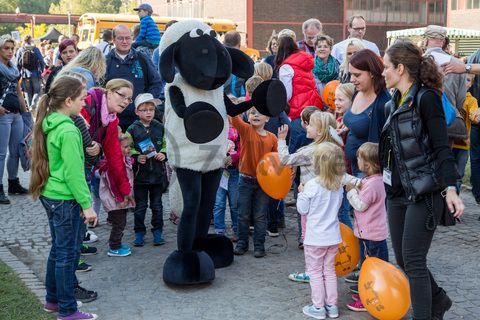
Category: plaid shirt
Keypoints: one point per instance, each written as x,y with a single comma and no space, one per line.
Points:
303,46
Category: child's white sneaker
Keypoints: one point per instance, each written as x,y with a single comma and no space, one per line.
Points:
332,310
312,311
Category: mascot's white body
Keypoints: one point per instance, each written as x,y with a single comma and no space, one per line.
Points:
182,153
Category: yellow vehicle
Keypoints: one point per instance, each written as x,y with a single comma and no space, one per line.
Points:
91,25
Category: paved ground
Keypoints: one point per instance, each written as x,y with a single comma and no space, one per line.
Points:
132,287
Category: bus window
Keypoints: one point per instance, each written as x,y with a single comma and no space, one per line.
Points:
84,34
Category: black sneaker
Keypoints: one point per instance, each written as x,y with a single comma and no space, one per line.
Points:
3,197
273,232
240,250
87,250
83,266
352,277
354,289
259,253
440,304
84,295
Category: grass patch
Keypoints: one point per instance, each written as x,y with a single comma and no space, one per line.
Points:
16,301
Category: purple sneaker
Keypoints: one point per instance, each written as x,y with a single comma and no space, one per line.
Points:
52,307
79,315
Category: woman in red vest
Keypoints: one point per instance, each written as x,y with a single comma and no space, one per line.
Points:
294,69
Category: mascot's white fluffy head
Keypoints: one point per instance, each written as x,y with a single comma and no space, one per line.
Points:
178,29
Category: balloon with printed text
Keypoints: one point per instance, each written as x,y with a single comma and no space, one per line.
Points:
274,178
348,252
328,94
383,289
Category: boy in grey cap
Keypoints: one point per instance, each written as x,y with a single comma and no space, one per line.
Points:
150,179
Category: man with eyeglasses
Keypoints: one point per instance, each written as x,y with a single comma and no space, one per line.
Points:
311,28
357,27
127,63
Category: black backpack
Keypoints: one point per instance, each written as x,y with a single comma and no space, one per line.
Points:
29,60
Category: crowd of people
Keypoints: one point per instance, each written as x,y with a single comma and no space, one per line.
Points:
383,162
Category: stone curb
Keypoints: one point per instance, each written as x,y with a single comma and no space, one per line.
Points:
24,273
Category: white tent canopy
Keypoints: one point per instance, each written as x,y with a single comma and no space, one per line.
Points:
452,33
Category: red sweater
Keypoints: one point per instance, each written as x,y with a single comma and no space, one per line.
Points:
304,88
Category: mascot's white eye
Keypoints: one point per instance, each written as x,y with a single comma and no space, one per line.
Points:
195,33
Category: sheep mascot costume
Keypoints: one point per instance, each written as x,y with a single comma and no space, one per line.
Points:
195,66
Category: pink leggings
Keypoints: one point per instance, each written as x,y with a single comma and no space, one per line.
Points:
320,266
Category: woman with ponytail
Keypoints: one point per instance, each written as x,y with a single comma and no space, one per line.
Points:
418,170
58,179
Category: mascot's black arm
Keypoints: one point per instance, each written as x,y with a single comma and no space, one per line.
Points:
269,98
178,101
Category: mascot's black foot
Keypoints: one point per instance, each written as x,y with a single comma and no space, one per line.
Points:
188,267
270,98
218,247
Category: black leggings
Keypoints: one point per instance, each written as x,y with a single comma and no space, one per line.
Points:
199,191
411,239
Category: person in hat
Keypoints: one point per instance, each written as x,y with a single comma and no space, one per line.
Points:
454,85
150,180
149,35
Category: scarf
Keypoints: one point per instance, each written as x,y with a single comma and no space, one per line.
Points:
9,71
326,72
106,117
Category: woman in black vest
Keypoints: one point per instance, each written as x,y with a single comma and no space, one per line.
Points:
419,170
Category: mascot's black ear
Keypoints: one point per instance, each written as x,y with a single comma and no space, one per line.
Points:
242,64
167,63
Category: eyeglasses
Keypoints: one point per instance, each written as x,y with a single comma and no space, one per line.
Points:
121,39
146,110
124,97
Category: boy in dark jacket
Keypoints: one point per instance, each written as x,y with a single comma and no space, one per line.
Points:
150,178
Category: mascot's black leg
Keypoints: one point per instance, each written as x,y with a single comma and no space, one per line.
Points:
186,266
218,247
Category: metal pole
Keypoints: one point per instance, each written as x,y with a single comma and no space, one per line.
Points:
69,30
33,27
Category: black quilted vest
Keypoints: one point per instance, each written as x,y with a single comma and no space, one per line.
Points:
405,138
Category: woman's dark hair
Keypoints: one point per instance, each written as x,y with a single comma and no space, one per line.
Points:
66,43
421,68
286,47
367,60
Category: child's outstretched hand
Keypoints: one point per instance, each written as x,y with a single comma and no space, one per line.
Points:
159,156
282,132
89,216
349,186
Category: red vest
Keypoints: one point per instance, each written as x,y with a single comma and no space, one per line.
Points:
304,88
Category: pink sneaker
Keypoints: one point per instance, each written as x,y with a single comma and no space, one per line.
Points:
356,306
356,297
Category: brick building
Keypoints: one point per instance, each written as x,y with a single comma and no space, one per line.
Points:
257,18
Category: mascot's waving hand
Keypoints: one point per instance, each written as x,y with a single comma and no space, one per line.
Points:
195,66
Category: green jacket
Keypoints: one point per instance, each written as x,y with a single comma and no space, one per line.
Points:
65,161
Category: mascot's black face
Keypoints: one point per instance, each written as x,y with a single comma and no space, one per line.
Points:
202,60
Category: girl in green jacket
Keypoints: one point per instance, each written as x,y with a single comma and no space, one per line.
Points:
58,179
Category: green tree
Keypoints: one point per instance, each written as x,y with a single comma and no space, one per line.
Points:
82,6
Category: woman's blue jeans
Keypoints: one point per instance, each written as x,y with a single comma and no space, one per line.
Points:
66,232
11,134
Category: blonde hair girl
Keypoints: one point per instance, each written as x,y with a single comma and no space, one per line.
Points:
263,70
319,201
343,102
90,63
58,179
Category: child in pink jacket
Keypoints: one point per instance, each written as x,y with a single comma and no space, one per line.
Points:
368,202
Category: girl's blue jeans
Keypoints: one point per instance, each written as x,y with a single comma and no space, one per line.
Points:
66,232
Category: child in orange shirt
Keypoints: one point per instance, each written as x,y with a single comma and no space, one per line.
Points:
255,142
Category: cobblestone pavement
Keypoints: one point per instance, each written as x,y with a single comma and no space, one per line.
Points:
132,287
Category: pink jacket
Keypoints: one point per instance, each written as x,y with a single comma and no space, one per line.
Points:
369,208
108,190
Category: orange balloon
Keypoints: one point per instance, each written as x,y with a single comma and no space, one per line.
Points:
328,94
274,178
383,289
348,252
